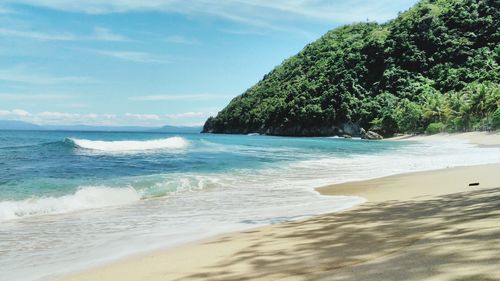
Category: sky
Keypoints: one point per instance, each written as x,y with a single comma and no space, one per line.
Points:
153,62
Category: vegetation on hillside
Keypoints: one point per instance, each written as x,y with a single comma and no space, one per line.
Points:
433,68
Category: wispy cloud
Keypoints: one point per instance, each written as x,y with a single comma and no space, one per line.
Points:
37,35
57,115
71,118
68,118
132,56
143,116
32,97
54,117
252,12
179,97
17,113
178,39
245,31
99,34
21,75
105,34
72,105
185,115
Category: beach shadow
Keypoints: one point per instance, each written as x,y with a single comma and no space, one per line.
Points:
452,237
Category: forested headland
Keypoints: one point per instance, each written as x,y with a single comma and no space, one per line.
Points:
434,68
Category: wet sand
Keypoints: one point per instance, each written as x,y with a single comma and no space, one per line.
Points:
418,226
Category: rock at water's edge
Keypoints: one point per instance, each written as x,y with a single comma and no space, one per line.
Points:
370,135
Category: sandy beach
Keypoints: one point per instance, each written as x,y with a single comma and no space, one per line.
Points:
483,139
418,226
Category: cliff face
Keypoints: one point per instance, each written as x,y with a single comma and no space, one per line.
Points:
437,63
350,129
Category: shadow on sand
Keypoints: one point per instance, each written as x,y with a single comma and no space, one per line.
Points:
453,237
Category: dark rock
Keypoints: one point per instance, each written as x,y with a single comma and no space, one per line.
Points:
370,135
347,136
350,128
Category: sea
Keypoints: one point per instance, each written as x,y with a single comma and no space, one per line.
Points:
70,201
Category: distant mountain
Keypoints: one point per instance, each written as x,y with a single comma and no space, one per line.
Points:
18,125
175,129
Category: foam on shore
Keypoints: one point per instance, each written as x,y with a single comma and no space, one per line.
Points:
87,197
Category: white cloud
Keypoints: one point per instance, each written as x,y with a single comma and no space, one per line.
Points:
243,31
21,75
37,35
32,97
134,56
177,97
20,113
93,116
108,119
63,118
16,113
72,105
99,34
104,34
143,116
57,115
178,39
109,116
187,115
263,13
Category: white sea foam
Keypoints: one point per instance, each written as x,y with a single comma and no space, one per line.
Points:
124,146
89,197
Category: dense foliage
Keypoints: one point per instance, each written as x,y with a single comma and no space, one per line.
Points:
433,68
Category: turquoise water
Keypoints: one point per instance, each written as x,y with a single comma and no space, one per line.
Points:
54,163
71,200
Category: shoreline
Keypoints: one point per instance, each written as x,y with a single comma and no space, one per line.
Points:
227,256
481,139
340,245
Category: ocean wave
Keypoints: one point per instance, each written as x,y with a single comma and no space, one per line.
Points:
35,145
172,143
89,197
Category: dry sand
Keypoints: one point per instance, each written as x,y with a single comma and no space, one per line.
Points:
418,226
480,138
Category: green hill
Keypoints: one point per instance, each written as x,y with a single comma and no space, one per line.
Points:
433,68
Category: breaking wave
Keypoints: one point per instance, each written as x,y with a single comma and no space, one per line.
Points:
88,197
172,143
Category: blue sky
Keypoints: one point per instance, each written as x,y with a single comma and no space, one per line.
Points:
153,62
